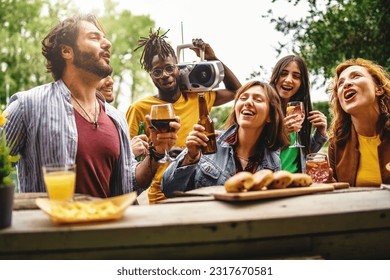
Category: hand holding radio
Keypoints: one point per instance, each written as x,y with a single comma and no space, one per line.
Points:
199,44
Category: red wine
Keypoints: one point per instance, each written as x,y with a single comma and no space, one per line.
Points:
162,125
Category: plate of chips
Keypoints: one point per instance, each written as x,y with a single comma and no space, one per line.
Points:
63,212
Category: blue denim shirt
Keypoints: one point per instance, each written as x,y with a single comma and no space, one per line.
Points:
210,170
41,125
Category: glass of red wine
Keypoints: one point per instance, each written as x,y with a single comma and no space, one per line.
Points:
161,115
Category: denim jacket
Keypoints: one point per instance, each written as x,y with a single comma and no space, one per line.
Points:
210,170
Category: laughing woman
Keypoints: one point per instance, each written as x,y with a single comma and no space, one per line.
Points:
290,78
254,135
359,150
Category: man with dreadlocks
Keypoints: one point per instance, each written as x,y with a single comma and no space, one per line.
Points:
159,60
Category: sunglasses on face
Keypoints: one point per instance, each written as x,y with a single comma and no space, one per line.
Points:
159,72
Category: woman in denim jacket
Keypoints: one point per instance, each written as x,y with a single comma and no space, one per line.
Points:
254,135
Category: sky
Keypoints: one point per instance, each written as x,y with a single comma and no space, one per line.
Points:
241,38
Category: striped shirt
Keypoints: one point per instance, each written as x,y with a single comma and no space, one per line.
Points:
42,129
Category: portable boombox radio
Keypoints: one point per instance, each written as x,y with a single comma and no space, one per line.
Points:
199,76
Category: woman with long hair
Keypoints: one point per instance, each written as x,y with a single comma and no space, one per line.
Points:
359,150
254,136
290,79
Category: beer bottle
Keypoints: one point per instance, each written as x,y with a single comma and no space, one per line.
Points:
141,130
207,122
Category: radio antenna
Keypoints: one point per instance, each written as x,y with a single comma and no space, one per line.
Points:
182,37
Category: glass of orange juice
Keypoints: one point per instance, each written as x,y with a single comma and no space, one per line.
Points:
60,181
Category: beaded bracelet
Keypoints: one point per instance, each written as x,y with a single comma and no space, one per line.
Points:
154,154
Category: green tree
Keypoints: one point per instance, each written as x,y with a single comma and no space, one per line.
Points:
336,30
323,106
24,23
219,115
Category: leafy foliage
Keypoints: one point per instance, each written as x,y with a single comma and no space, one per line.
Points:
336,30
24,23
323,107
219,115
7,161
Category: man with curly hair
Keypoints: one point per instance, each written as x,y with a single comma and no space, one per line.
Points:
69,122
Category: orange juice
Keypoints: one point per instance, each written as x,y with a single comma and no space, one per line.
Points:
60,185
290,110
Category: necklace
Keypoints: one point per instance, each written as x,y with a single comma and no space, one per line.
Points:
242,158
94,122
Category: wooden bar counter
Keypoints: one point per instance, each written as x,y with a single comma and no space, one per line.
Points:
345,224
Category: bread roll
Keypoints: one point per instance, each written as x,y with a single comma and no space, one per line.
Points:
301,180
262,179
282,179
239,182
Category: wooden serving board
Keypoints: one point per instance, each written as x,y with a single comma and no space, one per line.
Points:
204,191
266,194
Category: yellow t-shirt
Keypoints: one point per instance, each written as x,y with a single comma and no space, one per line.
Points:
368,173
188,110
154,192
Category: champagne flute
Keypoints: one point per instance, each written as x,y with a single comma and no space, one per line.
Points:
161,115
296,108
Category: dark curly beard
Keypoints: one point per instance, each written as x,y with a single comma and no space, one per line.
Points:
90,62
168,93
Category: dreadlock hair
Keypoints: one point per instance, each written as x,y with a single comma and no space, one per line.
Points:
154,45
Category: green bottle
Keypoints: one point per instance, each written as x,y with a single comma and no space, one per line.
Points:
141,130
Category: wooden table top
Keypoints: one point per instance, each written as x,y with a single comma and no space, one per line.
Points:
340,224
26,201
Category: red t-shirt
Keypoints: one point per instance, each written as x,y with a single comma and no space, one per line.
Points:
97,154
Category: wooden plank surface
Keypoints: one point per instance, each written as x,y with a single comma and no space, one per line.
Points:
26,201
319,224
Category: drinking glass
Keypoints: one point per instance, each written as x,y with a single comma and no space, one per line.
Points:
296,108
161,115
60,180
317,167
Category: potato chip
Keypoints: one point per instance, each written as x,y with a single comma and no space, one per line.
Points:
84,210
